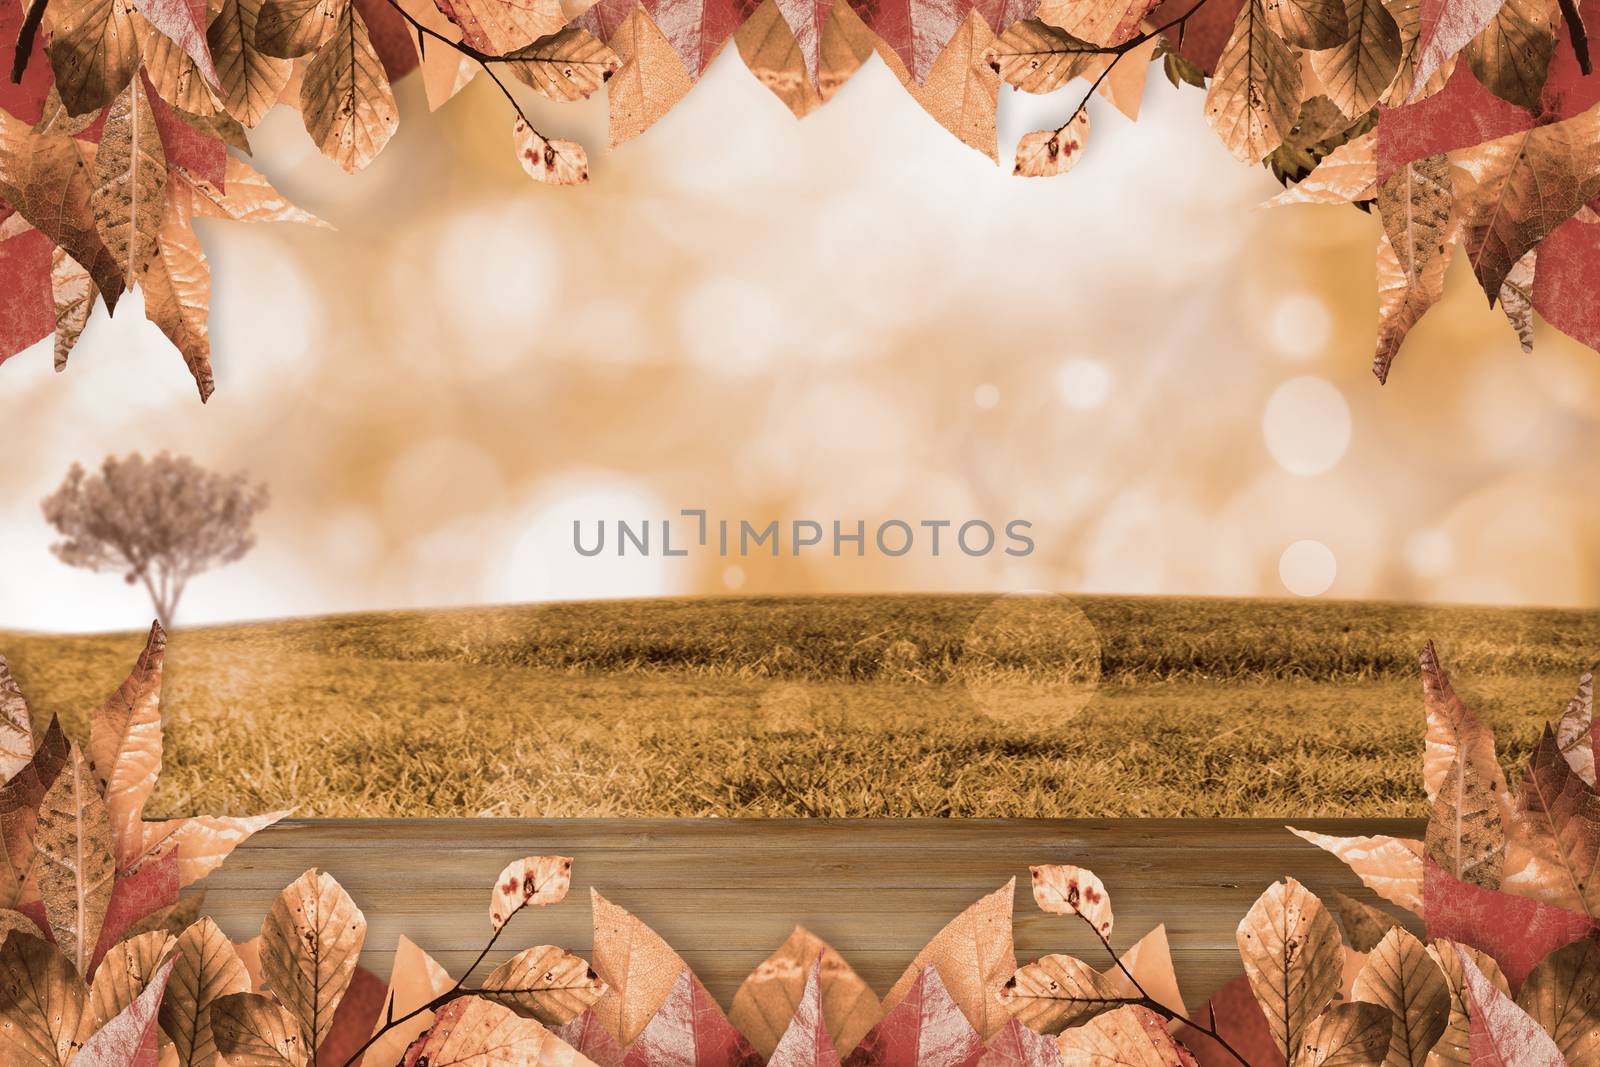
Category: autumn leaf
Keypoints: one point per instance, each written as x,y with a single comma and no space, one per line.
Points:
176,280
805,1042
650,80
249,80
1517,931
498,27
1255,94
184,23
359,1014
689,1028
1454,732
1465,835
76,868
1414,204
309,946
639,970
1364,926
1106,22
129,181
1511,55
1238,1018
962,90
1356,73
1293,958
205,969
768,47
1310,24
251,1030
289,29
245,196
1575,731
1389,866
1347,174
1058,991
1454,1046
94,51
1128,1037
571,64
125,744
767,1000
42,1002
171,74
1346,1035
847,43
1036,57
20,799
131,1037
471,1032
414,981
925,1026
1045,153
1502,1034
1512,192
73,293
554,162
590,1037
1446,27
16,727
545,983
346,99
1017,1046
973,955
125,972
1401,976
1554,848
1408,16
1562,995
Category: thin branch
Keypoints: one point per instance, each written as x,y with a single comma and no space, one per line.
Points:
483,59
1120,50
30,30
1579,35
1145,1000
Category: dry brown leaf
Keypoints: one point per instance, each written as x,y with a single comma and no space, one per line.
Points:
309,946
1553,853
1061,889
544,983
1562,994
846,44
445,71
1454,1047
16,727
1036,57
766,1001
415,980
55,118
1346,1035
346,99
1045,153
1401,976
206,969
1355,74
1347,174
124,972
1364,926
1516,302
202,841
251,1030
1101,22
1466,836
638,968
1255,94
553,162
1058,991
251,80
1402,301
1408,16
973,955
75,868
1149,968
1511,55
1574,733
1453,730
498,28
1128,1037
173,75
94,51
130,179
176,280
650,81
769,49
42,1002
289,29
1123,84
246,196
471,1032
1389,866
74,294
20,798
125,745
1310,24
1512,192
533,881
569,65
47,181
1414,204
962,90
1293,957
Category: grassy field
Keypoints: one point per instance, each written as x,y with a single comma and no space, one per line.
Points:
838,706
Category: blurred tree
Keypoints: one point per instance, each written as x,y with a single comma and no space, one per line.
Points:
160,521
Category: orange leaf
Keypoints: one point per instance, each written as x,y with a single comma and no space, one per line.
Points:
973,955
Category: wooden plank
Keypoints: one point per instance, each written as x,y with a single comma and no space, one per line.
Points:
726,892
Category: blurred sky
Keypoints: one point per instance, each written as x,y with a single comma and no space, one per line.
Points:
853,316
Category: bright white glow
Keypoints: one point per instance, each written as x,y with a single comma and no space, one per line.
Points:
1430,553
1084,383
733,576
732,325
543,564
986,396
496,274
1300,327
1306,425
1307,568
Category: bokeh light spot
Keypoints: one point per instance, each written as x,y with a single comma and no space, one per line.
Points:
1308,568
1084,383
1306,425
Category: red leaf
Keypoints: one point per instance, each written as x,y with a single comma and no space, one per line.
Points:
1502,1034
805,1042
589,1036
699,27
689,1030
1017,1046
1241,1022
926,1029
25,101
1444,29
27,310
1205,33
132,1037
1564,281
186,147
355,1018
391,38
184,21
1461,114
1567,90
153,886
1516,931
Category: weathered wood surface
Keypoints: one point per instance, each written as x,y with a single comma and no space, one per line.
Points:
725,893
